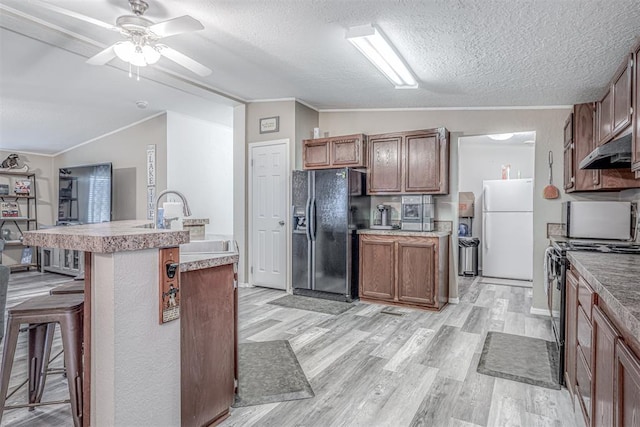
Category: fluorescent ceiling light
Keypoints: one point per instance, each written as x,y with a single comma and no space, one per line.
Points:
372,44
501,136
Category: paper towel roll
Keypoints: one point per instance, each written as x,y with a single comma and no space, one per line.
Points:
172,209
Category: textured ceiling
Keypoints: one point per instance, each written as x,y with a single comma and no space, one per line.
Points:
466,53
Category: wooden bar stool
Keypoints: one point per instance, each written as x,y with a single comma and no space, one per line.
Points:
42,313
73,287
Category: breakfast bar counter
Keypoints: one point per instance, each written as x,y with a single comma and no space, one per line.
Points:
134,370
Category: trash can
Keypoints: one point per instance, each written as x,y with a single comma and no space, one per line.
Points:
468,256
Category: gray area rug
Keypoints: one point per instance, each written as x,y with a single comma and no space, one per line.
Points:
269,372
524,359
312,304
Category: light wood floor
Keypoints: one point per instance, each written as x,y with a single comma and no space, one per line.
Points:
368,368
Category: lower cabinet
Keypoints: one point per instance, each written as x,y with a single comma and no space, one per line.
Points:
208,345
604,342
404,270
602,372
627,371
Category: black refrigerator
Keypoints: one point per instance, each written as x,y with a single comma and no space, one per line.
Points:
329,206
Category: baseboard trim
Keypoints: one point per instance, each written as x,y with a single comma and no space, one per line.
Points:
454,300
539,311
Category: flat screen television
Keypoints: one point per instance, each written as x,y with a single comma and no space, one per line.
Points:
84,194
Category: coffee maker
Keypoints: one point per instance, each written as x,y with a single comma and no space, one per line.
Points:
385,218
417,213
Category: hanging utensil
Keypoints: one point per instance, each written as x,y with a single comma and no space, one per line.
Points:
551,191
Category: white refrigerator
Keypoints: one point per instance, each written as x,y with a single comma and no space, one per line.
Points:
507,229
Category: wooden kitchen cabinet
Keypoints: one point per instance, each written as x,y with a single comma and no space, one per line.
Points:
208,344
622,97
627,375
404,270
571,331
377,267
604,110
385,164
635,99
409,162
605,337
334,152
416,271
582,143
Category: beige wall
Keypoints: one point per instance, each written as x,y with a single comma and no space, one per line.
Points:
42,166
306,120
285,110
126,150
547,123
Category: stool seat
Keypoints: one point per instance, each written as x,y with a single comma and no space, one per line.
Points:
48,304
73,287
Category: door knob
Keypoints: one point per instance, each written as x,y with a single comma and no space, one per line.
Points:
281,222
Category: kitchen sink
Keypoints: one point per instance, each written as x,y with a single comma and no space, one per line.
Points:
207,247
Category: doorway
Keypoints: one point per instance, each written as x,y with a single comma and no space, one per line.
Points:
268,213
498,170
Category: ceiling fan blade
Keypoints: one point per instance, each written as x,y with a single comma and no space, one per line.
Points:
171,27
103,56
183,60
73,14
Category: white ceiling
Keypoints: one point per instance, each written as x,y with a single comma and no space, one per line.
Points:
466,53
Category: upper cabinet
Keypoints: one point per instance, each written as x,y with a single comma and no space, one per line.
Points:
579,142
335,152
614,111
635,150
409,162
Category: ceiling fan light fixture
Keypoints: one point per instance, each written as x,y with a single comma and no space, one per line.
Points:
379,51
124,50
151,55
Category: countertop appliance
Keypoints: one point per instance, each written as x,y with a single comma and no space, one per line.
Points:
385,222
507,229
328,207
555,266
596,220
417,213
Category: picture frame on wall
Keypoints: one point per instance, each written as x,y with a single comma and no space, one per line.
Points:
22,187
270,124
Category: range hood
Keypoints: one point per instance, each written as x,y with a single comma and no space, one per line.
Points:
612,155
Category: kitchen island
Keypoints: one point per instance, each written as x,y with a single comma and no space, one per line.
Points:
138,371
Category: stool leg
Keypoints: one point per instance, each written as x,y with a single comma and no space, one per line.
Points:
40,342
10,343
71,329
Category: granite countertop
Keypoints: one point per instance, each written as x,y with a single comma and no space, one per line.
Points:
191,262
616,280
398,232
107,237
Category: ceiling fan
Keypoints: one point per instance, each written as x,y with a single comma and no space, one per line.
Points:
141,47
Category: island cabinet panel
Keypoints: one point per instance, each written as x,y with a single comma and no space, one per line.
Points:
627,408
377,268
404,270
416,272
385,161
605,337
334,152
422,163
409,162
208,345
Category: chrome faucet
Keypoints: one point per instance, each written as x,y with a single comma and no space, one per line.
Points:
185,206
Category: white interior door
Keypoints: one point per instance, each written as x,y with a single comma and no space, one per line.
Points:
269,201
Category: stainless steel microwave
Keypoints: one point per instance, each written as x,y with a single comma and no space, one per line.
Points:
596,220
